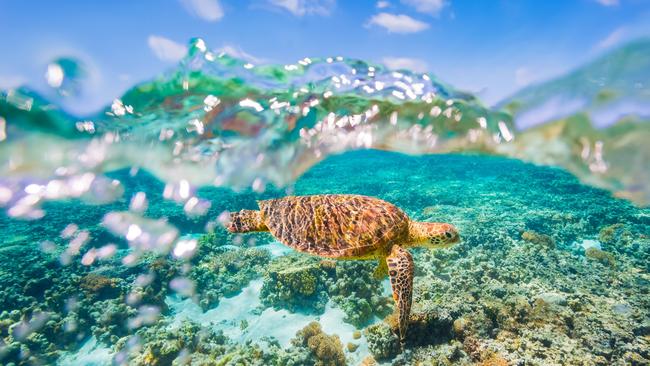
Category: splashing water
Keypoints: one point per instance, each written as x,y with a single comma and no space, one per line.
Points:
222,121
66,75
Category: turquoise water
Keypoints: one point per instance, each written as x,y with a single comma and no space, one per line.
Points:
503,291
112,248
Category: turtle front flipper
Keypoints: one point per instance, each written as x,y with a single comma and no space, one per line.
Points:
400,270
382,270
246,221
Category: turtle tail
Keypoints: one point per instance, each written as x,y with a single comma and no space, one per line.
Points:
246,221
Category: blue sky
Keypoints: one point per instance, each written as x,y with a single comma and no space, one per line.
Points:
491,48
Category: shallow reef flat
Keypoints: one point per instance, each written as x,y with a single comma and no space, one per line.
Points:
549,272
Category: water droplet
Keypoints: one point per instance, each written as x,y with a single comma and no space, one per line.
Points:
66,75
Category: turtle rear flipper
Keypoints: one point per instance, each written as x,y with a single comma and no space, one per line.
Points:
400,270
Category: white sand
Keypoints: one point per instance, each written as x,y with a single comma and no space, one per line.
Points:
276,249
588,243
282,324
90,354
228,316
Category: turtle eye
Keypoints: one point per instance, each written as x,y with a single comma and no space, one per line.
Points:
449,235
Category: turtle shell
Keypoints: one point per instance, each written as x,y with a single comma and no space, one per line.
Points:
335,225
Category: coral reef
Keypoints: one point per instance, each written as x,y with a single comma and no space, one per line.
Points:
356,334
192,344
225,271
99,286
382,341
629,240
189,337
516,290
479,283
296,282
616,235
352,347
358,293
299,282
537,238
327,350
601,256
430,326
533,323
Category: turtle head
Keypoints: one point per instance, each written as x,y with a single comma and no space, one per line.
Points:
433,235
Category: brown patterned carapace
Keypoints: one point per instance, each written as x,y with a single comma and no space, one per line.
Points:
345,226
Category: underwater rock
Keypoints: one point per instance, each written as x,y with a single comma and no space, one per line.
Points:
460,327
36,287
302,280
536,322
162,346
643,329
625,239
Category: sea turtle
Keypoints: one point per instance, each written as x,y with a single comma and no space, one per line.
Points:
345,226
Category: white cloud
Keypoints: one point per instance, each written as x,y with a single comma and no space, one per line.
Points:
413,64
166,49
608,2
209,10
398,23
303,7
382,4
237,52
431,7
613,38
